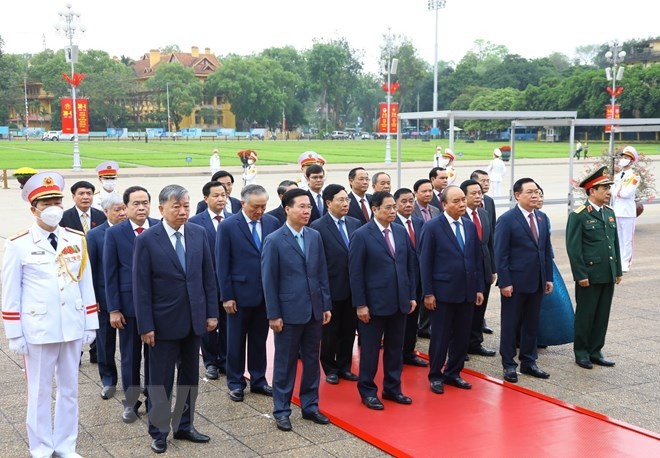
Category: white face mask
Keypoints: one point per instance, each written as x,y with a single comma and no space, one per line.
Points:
624,162
109,185
443,162
52,216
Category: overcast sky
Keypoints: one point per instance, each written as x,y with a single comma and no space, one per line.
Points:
528,28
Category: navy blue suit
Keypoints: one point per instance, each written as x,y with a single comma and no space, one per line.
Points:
71,218
410,334
355,209
234,204
339,333
454,276
118,271
386,285
175,303
106,335
214,343
526,265
278,213
238,267
297,291
316,212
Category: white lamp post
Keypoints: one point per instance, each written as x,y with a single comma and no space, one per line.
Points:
614,73
391,70
435,5
167,94
70,28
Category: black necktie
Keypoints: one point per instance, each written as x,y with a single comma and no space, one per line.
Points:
53,240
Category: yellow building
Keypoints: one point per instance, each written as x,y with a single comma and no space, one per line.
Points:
39,108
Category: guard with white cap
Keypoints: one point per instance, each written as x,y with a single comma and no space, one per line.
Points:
107,173
626,182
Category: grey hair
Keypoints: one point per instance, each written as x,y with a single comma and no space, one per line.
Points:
374,179
111,200
443,194
252,190
172,191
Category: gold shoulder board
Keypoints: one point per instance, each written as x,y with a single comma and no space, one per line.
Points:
80,233
579,209
20,234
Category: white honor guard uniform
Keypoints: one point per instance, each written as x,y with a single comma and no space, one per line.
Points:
107,173
445,159
49,311
623,191
305,160
496,171
214,162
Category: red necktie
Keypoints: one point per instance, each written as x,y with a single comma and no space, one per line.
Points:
218,218
532,226
386,232
364,209
139,230
477,223
411,233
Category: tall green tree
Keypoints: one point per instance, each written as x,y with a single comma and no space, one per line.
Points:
185,90
12,71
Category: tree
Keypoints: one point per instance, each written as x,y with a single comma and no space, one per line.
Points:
12,70
412,71
185,90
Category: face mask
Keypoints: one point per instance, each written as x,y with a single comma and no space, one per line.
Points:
109,185
52,216
443,162
623,162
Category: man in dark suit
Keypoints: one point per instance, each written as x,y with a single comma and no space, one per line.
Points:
214,343
360,206
279,212
381,181
118,272
439,180
176,301
106,336
423,195
238,266
227,179
382,276
295,281
83,217
336,229
405,203
481,220
315,181
452,281
488,204
523,259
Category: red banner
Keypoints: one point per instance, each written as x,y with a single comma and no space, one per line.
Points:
382,121
82,115
608,115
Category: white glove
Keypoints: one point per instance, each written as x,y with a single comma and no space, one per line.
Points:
89,337
18,345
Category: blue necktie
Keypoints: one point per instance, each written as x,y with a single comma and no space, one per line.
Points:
459,236
180,252
255,235
341,231
301,243
319,203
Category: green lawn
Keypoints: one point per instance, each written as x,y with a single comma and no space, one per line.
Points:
58,155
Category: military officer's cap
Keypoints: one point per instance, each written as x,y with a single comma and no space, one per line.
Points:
630,152
43,185
448,153
309,158
107,169
597,178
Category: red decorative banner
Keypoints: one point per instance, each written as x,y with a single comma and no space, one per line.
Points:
82,113
67,116
382,121
391,88
616,92
608,115
75,80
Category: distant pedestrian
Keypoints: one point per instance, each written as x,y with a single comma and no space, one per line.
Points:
215,162
496,171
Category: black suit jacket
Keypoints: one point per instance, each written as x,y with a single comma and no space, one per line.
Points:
71,219
235,205
336,254
489,206
435,201
316,213
354,209
486,244
278,213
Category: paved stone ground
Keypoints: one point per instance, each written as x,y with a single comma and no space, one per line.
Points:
630,392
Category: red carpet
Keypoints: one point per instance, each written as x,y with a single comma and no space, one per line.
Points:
493,419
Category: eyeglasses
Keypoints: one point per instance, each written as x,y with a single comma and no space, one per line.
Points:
343,200
388,208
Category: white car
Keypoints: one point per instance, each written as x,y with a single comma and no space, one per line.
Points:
338,135
52,135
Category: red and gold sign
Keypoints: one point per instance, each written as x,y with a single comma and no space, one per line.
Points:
67,116
82,115
382,120
612,115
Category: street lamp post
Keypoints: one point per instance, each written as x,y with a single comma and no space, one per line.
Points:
614,73
435,5
70,28
167,90
391,70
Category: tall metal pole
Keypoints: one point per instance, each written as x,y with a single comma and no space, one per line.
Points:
388,141
435,5
27,111
167,89
613,74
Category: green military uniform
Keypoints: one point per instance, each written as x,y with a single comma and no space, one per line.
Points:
593,250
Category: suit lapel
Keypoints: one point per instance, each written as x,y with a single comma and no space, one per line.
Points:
168,249
450,231
525,224
288,236
128,232
334,230
247,230
380,237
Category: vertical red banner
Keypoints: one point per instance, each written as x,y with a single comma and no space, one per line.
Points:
610,115
82,113
382,119
67,116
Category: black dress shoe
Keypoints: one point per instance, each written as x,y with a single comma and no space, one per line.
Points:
486,329
192,436
159,445
108,391
212,373
437,387
129,415
602,362
482,351
236,395
399,398
458,383
467,358
283,423
265,390
534,371
93,358
316,417
584,363
332,379
424,334
510,375
372,402
415,361
348,375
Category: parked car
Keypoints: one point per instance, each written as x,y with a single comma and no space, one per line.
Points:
365,136
52,135
338,135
